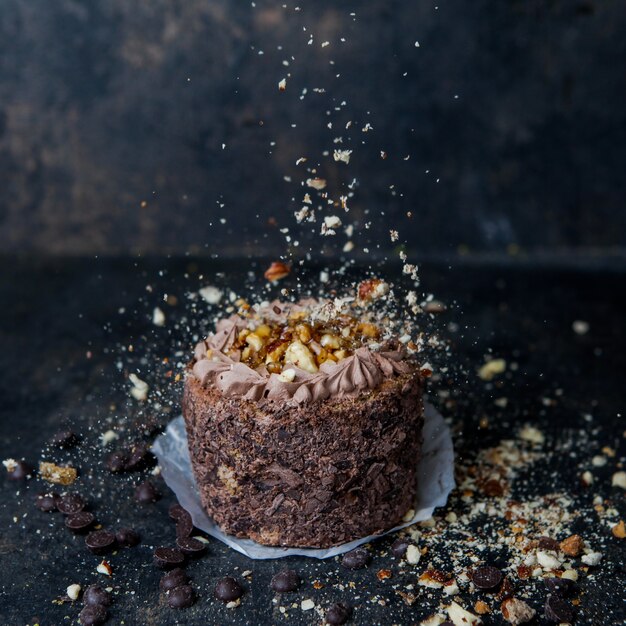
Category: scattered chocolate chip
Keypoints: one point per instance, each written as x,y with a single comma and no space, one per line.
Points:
79,522
181,597
547,543
21,470
127,537
116,462
184,526
228,589
338,614
399,547
96,595
190,546
558,610
139,458
356,559
276,309
47,502
486,577
146,493
447,623
100,541
176,578
70,503
175,511
65,439
560,586
168,558
285,581
93,615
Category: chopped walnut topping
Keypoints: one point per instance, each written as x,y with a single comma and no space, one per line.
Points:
57,474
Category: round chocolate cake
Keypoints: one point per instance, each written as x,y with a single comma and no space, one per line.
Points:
304,425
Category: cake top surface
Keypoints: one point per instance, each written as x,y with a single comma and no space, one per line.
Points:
301,352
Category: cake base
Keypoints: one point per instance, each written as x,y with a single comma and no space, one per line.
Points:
310,475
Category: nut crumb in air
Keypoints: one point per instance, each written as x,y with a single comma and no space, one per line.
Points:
491,369
277,271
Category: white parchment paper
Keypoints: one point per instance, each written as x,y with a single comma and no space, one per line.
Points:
435,481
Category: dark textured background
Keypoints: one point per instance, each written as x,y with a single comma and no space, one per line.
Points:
108,103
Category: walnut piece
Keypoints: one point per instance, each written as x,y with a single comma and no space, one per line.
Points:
57,474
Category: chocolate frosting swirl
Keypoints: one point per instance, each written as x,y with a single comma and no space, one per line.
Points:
365,369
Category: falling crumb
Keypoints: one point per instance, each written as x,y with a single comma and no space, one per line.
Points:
282,84
532,435
331,223
307,605
56,474
139,390
158,317
587,478
10,465
580,327
619,480
342,155
108,437
210,294
316,183
394,235
491,369
73,592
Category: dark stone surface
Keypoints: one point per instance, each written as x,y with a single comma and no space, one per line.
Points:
105,104
54,312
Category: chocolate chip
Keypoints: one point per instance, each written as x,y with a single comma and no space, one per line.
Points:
21,471
558,610
176,578
276,309
175,511
139,457
190,546
100,541
79,522
168,558
146,493
356,559
560,586
338,614
47,502
70,503
181,597
65,439
184,526
228,589
399,547
547,543
116,462
127,537
285,581
486,577
93,615
96,595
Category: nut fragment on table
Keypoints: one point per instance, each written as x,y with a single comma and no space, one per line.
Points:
57,474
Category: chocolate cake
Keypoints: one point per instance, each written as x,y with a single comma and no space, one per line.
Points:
304,425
